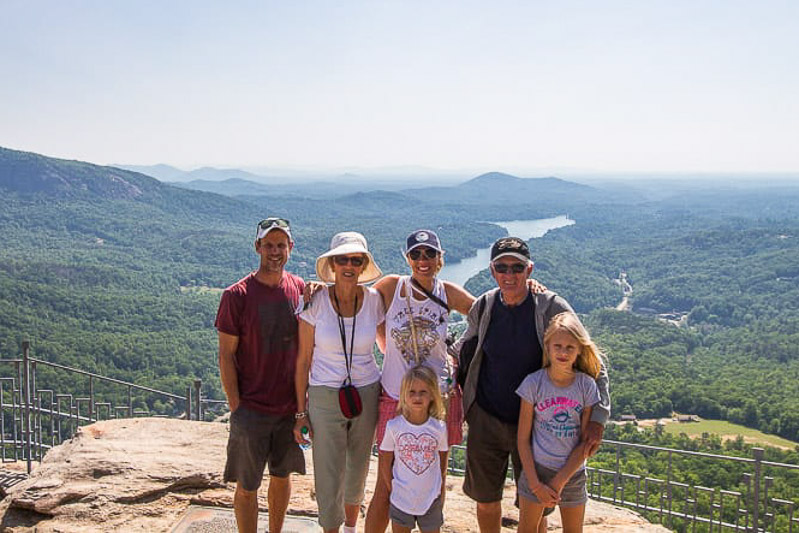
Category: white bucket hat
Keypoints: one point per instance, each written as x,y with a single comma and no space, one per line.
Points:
347,242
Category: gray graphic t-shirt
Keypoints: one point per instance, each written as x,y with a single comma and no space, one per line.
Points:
556,430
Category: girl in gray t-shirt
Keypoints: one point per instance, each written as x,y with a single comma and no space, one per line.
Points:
556,406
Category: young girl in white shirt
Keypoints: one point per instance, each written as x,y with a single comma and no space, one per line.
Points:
555,409
416,446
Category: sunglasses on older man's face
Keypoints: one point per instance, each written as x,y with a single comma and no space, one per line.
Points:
273,222
355,260
416,253
504,268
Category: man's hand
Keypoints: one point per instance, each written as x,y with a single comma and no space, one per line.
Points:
535,286
233,404
311,288
592,437
301,437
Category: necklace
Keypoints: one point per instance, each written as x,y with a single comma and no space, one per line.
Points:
343,332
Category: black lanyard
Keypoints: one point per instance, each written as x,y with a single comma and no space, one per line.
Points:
343,333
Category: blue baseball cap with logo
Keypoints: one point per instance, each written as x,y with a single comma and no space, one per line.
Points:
423,237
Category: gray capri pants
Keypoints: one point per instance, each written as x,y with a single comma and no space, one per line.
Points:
341,450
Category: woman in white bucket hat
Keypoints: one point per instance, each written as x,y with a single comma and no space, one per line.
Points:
336,339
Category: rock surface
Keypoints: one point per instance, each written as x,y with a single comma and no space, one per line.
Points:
141,474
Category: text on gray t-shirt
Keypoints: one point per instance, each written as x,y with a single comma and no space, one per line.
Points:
556,430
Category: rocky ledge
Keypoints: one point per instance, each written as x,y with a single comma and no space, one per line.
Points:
142,474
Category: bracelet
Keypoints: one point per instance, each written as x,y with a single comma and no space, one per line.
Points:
301,414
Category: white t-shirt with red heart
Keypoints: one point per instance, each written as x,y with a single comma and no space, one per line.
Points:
417,467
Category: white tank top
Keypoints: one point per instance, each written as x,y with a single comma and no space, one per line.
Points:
430,324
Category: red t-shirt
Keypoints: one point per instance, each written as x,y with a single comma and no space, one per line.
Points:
264,320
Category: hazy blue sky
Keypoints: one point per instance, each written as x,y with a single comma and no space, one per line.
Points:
598,85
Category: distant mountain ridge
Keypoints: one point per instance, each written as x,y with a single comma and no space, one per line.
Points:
160,172
501,188
30,173
495,178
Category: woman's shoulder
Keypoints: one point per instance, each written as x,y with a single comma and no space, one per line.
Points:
371,293
387,285
318,302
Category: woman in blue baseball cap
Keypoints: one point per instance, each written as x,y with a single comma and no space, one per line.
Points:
415,333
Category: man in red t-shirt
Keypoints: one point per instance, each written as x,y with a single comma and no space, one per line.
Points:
257,327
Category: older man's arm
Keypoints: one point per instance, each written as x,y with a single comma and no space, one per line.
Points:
600,414
471,329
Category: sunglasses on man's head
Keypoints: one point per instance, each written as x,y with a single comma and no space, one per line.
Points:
273,222
416,253
342,260
504,268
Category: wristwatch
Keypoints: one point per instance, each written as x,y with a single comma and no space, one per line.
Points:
301,414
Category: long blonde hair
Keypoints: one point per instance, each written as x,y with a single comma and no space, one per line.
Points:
428,377
589,360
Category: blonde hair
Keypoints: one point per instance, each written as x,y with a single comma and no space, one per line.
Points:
428,377
589,360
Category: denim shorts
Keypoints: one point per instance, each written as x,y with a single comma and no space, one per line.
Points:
572,495
257,439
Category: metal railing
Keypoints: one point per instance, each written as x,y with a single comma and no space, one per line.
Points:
690,507
693,507
34,419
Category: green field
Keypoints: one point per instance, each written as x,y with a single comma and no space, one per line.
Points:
728,430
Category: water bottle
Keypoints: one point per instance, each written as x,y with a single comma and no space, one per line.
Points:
307,444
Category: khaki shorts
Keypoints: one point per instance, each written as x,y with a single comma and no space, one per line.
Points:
257,439
491,443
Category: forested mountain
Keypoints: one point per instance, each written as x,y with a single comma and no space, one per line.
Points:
500,188
112,271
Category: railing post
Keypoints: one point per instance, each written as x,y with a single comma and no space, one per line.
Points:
198,384
616,472
758,455
188,402
91,399
26,373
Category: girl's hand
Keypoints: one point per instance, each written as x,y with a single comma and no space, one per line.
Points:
546,495
299,436
557,486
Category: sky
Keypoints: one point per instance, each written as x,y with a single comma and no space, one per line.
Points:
525,86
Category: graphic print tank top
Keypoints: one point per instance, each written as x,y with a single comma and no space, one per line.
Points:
430,324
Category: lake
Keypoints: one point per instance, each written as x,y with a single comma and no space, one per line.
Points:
461,271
